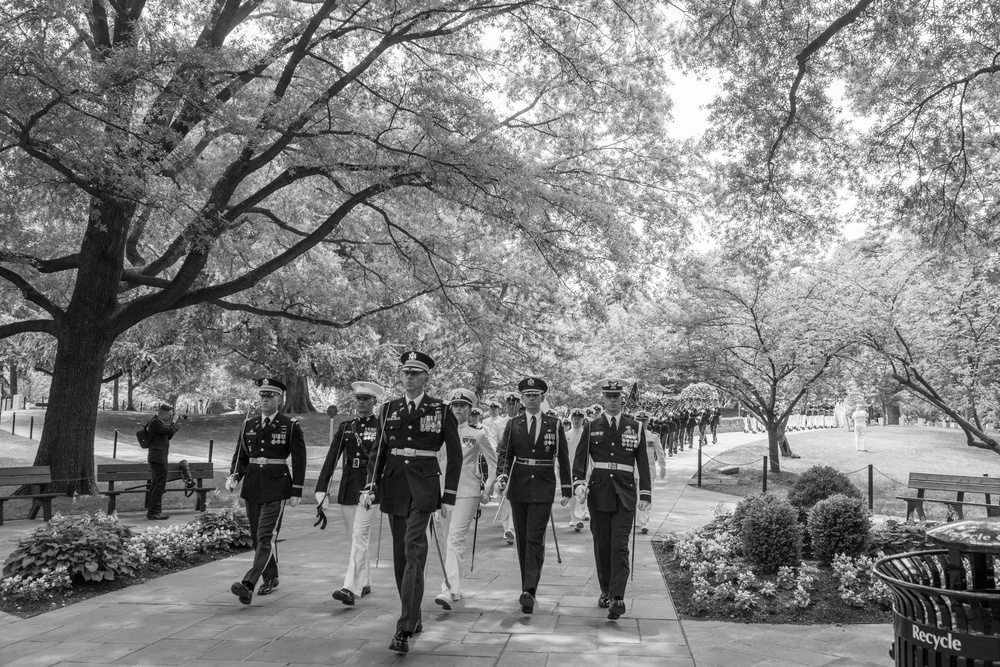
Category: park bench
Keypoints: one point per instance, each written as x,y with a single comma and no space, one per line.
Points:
957,484
35,478
140,476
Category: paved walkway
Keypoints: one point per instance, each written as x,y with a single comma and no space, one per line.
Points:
191,618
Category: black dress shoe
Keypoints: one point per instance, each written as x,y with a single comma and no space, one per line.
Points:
527,601
367,590
617,609
344,595
604,601
268,586
159,516
243,590
399,644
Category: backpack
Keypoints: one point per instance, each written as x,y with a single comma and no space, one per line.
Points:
142,435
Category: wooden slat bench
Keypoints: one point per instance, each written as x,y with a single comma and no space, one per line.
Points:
36,478
136,477
957,484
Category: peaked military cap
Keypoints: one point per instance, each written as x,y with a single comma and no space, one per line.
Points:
367,389
612,386
577,412
463,396
416,360
532,385
270,385
511,396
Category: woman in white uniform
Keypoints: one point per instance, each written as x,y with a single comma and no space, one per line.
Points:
472,490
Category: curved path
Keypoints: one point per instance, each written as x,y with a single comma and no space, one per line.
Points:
190,618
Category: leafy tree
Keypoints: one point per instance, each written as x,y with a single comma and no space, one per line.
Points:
162,155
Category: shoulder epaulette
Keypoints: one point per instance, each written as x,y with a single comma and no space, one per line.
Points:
478,427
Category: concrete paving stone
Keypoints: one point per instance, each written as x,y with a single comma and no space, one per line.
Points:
151,629
790,654
512,658
256,631
789,640
578,601
517,624
485,638
309,650
851,662
553,643
105,653
431,645
233,650
230,663
669,632
726,656
655,661
661,609
15,651
645,648
590,622
417,659
837,633
168,652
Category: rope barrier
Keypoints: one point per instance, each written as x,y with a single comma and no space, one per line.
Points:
889,478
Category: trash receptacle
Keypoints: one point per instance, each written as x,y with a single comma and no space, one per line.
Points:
946,605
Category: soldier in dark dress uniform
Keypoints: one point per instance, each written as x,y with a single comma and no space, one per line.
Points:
531,447
404,474
714,420
692,417
616,447
704,417
353,442
260,461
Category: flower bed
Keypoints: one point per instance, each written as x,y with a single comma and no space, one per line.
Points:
75,557
710,577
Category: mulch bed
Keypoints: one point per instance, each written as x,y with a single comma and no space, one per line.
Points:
827,608
90,589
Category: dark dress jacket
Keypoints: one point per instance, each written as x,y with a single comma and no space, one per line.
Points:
625,446
353,442
402,474
271,481
160,433
534,483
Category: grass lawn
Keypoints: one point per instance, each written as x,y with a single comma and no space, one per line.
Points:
895,451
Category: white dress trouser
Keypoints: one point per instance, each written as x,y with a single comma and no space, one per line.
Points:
359,526
859,436
454,532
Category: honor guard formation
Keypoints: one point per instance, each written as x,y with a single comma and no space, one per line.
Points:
430,464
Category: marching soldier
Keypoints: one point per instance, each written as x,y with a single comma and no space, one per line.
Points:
616,447
703,420
531,448
260,461
403,473
577,511
353,442
512,403
473,488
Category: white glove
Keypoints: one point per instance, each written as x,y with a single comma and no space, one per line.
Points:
367,499
231,483
446,511
581,493
644,505
322,499
501,483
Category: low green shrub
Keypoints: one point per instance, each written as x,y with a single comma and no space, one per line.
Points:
769,531
86,548
816,484
74,549
839,525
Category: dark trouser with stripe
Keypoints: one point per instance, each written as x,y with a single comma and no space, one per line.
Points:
530,522
611,531
409,558
265,522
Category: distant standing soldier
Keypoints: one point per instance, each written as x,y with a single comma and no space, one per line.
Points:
532,449
577,511
404,474
354,441
161,429
860,417
261,463
611,452
714,421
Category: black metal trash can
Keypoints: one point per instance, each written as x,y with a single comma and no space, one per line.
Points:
946,605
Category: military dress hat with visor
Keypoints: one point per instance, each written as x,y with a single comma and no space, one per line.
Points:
417,361
532,385
463,396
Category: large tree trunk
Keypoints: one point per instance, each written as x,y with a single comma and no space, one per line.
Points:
775,432
67,444
130,405
13,377
297,399
114,401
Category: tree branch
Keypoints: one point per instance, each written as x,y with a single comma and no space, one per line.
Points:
27,326
31,294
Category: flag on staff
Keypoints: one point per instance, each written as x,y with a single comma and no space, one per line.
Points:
632,400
